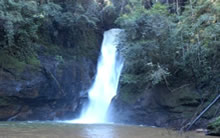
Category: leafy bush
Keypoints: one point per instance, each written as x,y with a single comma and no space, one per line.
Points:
27,25
146,46
163,48
19,26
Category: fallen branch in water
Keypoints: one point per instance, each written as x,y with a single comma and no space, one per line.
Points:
204,111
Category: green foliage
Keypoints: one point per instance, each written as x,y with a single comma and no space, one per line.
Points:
159,75
163,48
108,16
132,16
59,58
72,28
214,127
198,42
19,23
158,8
216,122
33,61
28,28
10,63
145,43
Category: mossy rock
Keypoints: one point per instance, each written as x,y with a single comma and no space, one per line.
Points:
16,66
7,101
214,127
33,61
11,63
4,102
129,93
187,96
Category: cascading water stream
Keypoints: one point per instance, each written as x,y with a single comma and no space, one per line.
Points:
105,86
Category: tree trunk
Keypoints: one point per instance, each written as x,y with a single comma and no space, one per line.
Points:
191,6
177,7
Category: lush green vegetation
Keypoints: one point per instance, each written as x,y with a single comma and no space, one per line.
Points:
214,127
173,49
70,29
169,44
19,25
173,45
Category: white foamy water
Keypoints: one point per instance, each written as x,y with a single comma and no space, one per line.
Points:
105,86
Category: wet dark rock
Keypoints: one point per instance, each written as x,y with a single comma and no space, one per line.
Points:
45,95
41,95
160,107
50,63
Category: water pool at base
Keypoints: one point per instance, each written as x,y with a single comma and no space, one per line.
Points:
65,130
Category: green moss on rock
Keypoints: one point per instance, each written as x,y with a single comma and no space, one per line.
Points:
214,127
33,61
7,101
3,102
11,63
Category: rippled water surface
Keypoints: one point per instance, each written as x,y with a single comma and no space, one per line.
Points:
62,130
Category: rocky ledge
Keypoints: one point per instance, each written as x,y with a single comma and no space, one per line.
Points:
52,91
160,107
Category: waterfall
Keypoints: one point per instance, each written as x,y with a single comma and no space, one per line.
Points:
105,85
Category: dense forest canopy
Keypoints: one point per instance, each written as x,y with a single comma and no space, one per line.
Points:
27,25
162,46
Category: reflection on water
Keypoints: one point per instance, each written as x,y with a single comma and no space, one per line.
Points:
94,132
62,130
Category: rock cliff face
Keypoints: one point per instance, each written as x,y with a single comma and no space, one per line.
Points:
162,108
52,91
46,75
